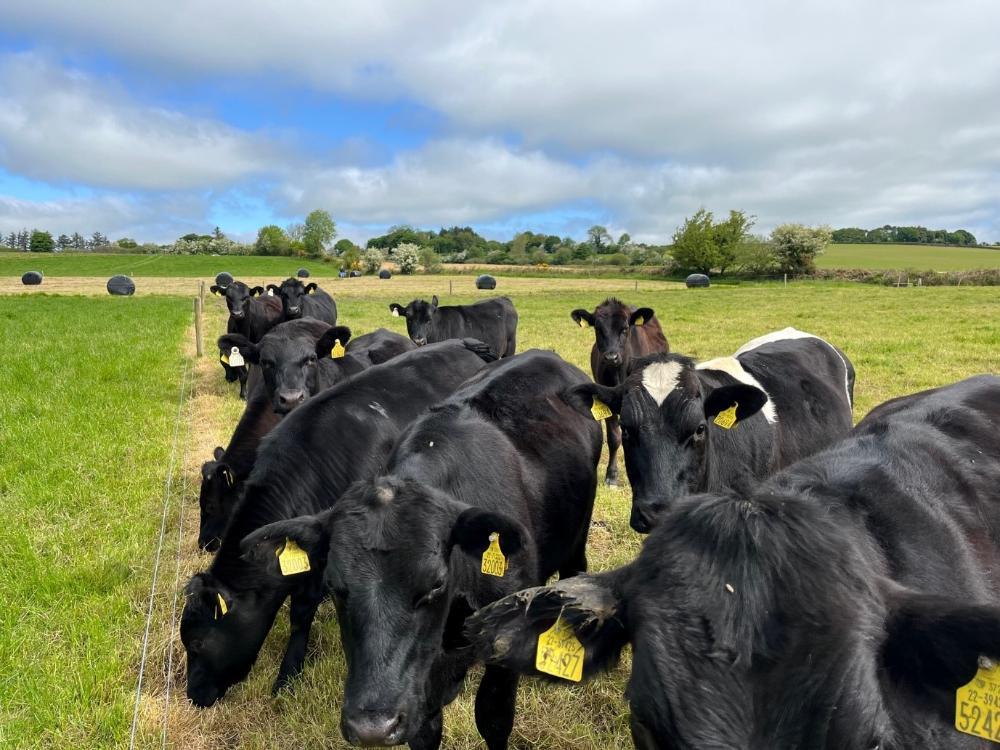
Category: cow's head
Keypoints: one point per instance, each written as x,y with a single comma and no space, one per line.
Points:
238,296
404,565
754,626
668,431
218,496
288,355
292,292
613,323
419,316
222,629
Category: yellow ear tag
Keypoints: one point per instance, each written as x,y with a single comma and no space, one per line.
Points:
494,563
584,323
639,321
292,559
338,350
726,419
222,607
977,705
600,410
235,358
559,652
224,357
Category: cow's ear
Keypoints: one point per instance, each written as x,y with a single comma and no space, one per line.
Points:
290,547
587,398
209,598
327,345
641,316
397,309
219,453
250,352
311,287
257,291
583,318
738,401
215,289
274,289
934,642
474,530
434,301
506,632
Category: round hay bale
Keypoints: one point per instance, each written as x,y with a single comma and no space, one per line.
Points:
696,280
302,273
224,279
355,274
121,286
32,278
486,282
385,273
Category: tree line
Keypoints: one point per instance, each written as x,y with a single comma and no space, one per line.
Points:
904,235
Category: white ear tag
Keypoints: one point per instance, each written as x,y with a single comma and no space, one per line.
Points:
270,292
395,313
235,358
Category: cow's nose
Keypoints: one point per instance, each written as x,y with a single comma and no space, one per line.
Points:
613,357
290,399
237,313
293,309
373,728
420,342
644,517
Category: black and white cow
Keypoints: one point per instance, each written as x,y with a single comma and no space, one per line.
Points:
251,316
786,394
503,461
841,604
344,434
300,358
222,478
623,334
300,300
492,321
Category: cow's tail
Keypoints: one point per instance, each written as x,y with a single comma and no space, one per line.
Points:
483,351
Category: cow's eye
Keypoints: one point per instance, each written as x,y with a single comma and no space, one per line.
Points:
700,432
311,360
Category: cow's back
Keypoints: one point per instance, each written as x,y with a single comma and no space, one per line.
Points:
492,321
321,306
810,385
265,314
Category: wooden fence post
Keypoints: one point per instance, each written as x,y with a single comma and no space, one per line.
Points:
197,326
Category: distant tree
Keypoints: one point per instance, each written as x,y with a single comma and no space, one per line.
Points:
78,241
98,240
218,234
728,236
350,259
850,234
23,240
295,230
318,232
551,243
796,246
41,242
407,257
624,239
756,257
599,238
343,245
63,242
371,260
694,245
11,240
272,240
430,260
128,243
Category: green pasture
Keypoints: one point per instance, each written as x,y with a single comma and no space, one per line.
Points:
82,484
918,257
109,264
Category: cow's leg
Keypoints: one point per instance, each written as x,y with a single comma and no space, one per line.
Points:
300,615
428,737
243,383
614,443
495,701
511,346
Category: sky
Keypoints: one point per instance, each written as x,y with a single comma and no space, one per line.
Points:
150,120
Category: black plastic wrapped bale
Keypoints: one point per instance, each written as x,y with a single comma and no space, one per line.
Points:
355,274
32,278
486,282
696,280
302,273
223,280
385,273
121,286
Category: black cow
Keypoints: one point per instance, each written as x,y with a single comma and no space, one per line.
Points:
792,392
624,333
839,605
250,316
343,434
300,300
300,358
503,459
223,477
493,321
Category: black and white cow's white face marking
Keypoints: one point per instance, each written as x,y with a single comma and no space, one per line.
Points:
419,316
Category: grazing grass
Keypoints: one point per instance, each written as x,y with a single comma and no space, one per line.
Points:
110,487
89,399
109,264
919,257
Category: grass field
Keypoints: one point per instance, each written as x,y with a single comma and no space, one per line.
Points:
900,340
89,397
918,257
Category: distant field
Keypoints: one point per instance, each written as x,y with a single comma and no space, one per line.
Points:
919,257
99,264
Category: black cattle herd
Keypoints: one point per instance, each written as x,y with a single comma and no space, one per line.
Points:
805,584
